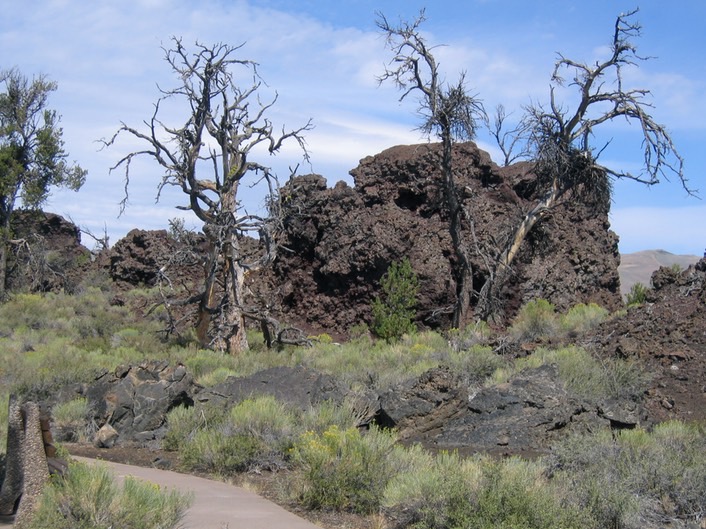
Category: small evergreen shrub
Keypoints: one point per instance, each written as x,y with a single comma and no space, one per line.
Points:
89,498
637,295
393,313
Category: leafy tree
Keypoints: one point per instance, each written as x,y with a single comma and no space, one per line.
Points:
209,156
32,155
449,112
394,311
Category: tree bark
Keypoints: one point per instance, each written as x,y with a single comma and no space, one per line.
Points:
487,299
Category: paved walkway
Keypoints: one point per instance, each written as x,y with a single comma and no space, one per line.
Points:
216,505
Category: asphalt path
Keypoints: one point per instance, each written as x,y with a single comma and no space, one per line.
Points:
216,505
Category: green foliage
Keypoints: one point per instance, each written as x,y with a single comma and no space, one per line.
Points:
583,374
89,498
217,376
32,155
49,340
637,295
448,491
256,433
637,479
581,318
471,335
393,313
344,470
4,403
71,417
536,319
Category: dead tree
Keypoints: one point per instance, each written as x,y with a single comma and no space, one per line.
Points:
566,161
512,142
450,113
209,156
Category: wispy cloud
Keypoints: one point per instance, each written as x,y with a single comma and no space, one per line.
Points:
107,60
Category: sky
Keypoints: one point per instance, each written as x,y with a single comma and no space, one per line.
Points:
322,59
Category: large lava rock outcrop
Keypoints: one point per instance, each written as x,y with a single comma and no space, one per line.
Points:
341,240
667,334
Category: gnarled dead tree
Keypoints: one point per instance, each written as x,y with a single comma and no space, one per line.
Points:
209,156
450,113
566,161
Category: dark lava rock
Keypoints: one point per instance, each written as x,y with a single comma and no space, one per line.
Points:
667,336
424,404
51,257
135,400
298,386
523,416
341,240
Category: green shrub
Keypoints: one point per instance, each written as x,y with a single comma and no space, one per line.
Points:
394,311
432,491
71,418
637,295
4,409
344,470
582,317
636,478
88,498
584,375
255,434
183,423
447,491
536,319
219,451
470,336
217,376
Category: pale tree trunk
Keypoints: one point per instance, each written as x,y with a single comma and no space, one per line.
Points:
236,339
206,308
491,289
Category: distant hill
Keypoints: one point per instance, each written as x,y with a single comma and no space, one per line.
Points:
638,267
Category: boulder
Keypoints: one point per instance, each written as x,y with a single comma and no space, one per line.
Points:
135,400
300,387
522,416
422,405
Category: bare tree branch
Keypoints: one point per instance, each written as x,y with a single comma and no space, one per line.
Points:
449,112
208,158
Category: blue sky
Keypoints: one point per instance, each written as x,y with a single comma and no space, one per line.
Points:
322,57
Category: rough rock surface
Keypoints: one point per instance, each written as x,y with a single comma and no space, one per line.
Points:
50,257
668,335
341,240
298,386
524,415
139,258
135,399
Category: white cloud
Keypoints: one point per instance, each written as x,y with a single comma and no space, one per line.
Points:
107,60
